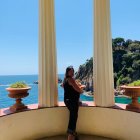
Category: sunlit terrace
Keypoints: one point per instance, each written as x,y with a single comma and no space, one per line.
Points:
47,120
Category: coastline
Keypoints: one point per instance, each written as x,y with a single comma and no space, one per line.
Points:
90,94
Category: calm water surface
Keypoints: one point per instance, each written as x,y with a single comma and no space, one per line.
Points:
5,81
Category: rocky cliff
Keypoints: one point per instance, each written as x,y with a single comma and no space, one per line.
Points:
126,63
85,74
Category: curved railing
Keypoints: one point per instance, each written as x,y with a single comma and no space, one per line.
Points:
35,124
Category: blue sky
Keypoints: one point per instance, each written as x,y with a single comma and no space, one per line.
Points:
74,32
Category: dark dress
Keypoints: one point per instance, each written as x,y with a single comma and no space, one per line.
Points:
71,99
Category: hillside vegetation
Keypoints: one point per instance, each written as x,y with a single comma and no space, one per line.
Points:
126,62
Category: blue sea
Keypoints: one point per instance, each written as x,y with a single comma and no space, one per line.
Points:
5,81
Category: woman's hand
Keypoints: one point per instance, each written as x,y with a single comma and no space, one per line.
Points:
79,84
73,83
82,86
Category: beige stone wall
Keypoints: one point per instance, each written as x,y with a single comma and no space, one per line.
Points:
30,125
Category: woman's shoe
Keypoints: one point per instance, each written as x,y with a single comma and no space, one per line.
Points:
76,138
71,137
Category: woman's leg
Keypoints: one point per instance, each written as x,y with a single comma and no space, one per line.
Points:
72,122
73,118
73,108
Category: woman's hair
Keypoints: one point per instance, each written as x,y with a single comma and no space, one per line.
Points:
67,71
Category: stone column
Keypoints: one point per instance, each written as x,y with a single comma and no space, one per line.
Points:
103,64
48,80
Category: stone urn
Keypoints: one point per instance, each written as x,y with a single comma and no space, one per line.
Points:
134,93
18,94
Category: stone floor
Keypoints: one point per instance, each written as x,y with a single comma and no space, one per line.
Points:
81,137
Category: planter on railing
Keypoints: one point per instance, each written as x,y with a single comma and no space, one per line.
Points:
18,91
134,93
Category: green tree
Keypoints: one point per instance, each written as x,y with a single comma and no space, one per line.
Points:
134,47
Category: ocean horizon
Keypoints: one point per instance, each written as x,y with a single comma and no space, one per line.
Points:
6,80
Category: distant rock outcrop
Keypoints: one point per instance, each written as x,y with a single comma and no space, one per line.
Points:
85,70
59,81
85,74
35,82
126,63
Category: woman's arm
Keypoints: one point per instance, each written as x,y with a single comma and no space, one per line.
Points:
73,83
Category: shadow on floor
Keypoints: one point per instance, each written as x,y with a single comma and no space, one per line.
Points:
81,137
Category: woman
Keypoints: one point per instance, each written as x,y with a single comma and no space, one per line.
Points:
71,98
